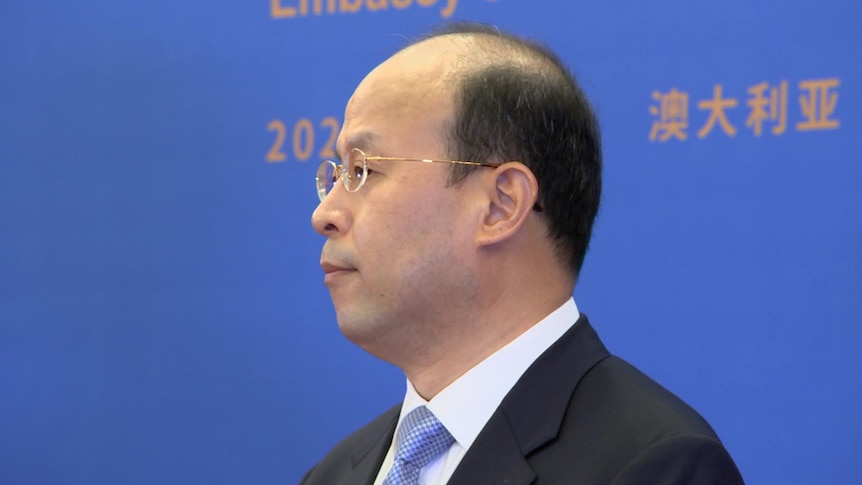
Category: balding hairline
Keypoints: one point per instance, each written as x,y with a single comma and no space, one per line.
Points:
478,51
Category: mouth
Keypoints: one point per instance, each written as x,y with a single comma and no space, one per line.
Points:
334,271
333,268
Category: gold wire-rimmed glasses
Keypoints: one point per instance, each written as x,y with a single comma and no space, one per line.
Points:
355,170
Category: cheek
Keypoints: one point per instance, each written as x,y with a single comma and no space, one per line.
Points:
404,239
383,243
417,224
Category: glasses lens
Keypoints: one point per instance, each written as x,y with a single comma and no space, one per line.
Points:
327,176
355,170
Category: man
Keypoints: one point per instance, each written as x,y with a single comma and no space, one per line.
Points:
460,271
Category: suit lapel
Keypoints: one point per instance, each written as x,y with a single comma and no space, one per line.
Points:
531,414
368,454
494,458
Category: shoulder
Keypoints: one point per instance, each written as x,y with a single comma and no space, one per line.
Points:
679,459
635,429
614,422
615,390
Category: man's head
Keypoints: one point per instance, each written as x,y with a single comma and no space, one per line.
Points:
423,251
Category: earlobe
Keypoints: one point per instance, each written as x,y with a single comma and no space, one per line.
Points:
512,192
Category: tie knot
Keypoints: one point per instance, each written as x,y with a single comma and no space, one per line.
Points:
422,438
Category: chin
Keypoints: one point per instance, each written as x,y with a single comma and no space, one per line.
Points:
365,333
357,330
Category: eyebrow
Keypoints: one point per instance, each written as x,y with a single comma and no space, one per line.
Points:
364,140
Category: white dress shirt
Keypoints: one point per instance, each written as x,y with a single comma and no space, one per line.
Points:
466,405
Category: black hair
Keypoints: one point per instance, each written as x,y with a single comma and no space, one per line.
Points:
516,100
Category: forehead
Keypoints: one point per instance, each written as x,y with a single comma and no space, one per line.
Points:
412,90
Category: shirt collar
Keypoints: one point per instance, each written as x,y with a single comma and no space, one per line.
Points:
466,405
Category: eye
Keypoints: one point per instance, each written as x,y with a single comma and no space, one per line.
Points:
369,170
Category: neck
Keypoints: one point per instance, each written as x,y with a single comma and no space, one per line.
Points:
492,324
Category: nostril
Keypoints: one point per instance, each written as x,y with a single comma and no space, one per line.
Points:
329,227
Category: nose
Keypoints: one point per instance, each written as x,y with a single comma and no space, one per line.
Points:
332,216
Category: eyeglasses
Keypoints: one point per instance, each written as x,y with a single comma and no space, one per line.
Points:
354,172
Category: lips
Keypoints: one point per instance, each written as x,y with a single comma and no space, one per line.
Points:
334,271
329,268
335,262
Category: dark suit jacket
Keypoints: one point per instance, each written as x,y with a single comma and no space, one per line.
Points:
578,415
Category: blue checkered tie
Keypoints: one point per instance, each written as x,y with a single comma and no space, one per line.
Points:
421,438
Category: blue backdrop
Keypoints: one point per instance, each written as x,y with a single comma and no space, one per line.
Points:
162,312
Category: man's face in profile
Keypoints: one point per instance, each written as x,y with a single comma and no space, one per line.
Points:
394,254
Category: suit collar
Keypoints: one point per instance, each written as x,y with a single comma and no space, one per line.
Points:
369,452
531,414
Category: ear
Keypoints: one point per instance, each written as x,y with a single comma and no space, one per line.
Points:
511,194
